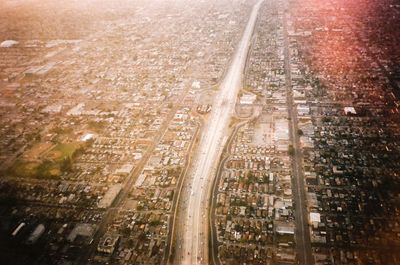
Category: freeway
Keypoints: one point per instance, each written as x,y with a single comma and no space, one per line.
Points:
194,249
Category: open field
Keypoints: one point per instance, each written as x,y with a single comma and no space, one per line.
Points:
37,163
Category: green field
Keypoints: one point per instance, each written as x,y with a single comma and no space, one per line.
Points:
63,151
51,165
23,168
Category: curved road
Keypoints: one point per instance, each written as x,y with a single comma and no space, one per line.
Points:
194,248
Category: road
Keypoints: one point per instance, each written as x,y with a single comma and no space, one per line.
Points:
303,242
173,220
224,158
128,184
194,248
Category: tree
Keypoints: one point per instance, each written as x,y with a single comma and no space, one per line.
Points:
326,119
300,132
238,228
291,150
43,170
66,165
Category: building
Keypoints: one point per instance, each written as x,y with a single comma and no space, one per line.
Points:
108,243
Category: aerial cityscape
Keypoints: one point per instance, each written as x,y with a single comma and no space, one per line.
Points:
200,132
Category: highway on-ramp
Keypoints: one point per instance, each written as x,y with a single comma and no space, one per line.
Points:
194,249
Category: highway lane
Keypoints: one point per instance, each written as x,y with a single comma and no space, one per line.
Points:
173,221
195,234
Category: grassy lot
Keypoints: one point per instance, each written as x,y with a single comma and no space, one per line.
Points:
63,151
23,168
51,165
96,126
285,239
37,151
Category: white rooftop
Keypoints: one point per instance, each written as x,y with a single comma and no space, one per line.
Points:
315,217
350,110
8,43
87,137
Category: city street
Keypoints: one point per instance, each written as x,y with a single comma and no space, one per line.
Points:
303,241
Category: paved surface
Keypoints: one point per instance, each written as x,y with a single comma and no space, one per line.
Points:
128,184
226,154
303,242
174,221
194,249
